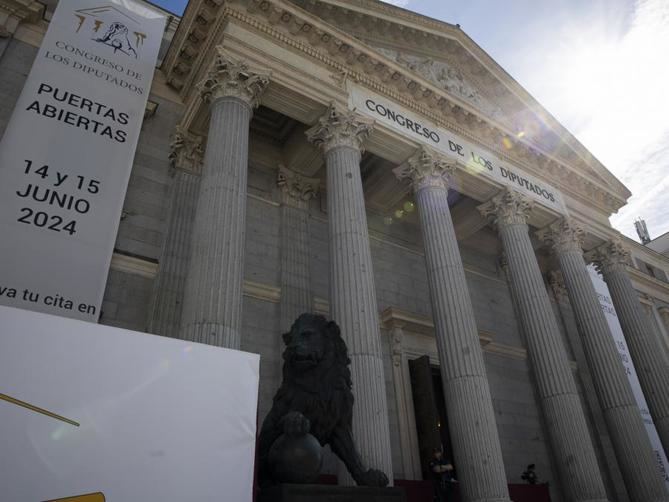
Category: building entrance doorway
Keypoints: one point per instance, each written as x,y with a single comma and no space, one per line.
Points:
430,412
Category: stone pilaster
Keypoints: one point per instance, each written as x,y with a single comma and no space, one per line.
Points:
296,298
471,418
352,295
650,362
634,452
565,420
213,298
185,159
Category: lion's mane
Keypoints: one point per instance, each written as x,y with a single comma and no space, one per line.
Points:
321,393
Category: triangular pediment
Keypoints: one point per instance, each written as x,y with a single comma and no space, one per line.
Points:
445,56
447,76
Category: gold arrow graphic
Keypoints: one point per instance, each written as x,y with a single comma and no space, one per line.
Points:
37,409
89,497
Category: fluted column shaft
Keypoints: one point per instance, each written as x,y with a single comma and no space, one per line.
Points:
212,310
633,448
649,358
565,420
168,290
213,301
471,417
352,295
353,305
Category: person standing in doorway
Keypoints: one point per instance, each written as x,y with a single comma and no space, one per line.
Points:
443,475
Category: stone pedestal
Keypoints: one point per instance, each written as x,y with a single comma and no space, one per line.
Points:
650,361
330,493
213,298
352,295
471,418
565,421
168,288
628,434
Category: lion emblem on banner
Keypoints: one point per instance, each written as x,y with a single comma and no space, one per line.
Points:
116,37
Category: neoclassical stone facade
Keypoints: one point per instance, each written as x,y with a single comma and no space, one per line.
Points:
261,190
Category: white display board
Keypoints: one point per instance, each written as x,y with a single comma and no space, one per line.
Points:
473,158
91,409
67,152
616,331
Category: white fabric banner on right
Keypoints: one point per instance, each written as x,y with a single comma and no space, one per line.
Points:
617,333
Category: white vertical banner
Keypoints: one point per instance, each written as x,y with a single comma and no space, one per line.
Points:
617,333
67,152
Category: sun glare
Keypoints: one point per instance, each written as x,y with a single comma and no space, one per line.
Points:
607,81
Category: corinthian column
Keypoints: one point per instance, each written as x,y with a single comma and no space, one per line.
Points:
213,299
168,289
565,420
352,296
296,190
647,354
471,418
634,452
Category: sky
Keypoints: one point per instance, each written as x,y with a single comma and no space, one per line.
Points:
600,67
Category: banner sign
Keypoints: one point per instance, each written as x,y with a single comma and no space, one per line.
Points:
475,159
99,413
616,331
67,152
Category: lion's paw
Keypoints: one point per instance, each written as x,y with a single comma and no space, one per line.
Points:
374,477
295,424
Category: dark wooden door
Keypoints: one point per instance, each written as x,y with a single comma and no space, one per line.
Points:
425,408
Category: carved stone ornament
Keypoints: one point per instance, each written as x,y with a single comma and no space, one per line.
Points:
186,151
507,208
425,169
446,77
610,256
562,235
337,128
556,282
295,185
229,77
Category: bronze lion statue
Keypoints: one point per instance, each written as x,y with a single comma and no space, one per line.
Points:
315,394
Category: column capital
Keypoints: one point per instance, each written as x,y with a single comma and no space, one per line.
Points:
507,208
229,77
340,128
562,235
186,151
295,187
610,256
425,168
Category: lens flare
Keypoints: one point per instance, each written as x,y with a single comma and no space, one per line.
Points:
506,142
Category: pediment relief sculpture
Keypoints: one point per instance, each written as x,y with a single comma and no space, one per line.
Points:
446,77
